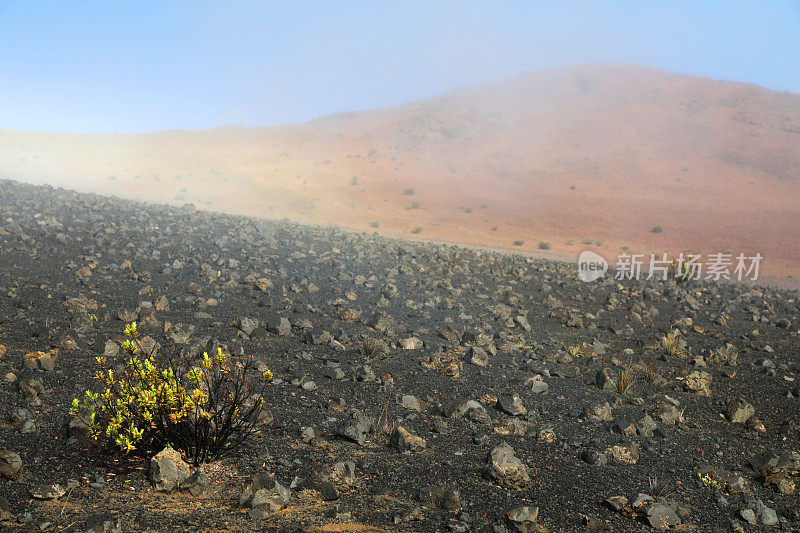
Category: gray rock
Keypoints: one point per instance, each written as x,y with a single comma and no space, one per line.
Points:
523,518
512,404
196,484
537,385
181,333
411,343
308,434
413,403
624,427
522,322
698,382
739,411
103,523
595,458
366,374
506,469
356,428
167,470
10,464
768,516
442,497
617,503
479,357
668,414
406,442
600,412
646,426
662,515
264,493
283,327
749,516
624,453
111,349
48,491
642,500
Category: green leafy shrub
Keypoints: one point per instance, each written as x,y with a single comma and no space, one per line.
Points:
204,410
683,271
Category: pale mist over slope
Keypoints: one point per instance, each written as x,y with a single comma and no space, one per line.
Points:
599,153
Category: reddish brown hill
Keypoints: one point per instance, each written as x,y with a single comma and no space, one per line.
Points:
601,153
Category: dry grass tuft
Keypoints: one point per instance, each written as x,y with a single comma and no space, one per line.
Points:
659,488
382,426
650,372
626,377
371,347
671,342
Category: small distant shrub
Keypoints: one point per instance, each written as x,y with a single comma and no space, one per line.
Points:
354,180
569,242
409,191
683,271
543,245
587,240
725,354
417,229
204,411
625,247
374,224
709,481
484,205
519,243
656,229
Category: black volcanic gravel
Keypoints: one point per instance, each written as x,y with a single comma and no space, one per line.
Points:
73,266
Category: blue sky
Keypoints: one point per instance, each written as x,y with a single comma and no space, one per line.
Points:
104,66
